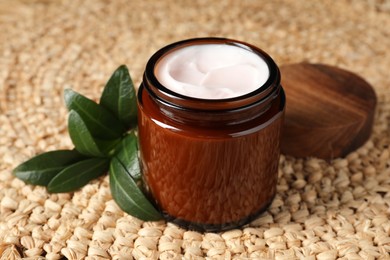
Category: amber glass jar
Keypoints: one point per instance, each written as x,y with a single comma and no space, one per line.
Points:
210,164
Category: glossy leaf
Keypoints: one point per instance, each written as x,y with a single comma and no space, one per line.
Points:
101,123
108,147
127,154
119,97
81,136
78,175
128,195
41,169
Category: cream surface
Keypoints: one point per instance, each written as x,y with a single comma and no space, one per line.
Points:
212,71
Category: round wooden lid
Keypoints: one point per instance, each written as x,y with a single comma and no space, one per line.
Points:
329,111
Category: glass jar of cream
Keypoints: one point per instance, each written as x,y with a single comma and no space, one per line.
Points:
210,119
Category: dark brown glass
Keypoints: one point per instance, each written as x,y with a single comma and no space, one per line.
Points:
210,165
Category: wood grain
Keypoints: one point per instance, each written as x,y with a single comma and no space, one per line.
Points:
329,111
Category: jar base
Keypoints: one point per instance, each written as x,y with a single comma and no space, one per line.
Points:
202,227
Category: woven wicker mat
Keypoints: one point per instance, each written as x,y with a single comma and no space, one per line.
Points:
336,210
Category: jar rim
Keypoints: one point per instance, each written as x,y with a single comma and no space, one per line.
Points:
160,92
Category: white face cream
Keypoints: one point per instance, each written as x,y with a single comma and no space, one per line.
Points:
212,71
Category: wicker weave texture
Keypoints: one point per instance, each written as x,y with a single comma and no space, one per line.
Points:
323,210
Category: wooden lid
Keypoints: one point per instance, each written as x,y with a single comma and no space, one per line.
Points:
329,111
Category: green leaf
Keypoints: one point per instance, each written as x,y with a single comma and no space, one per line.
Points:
108,147
41,169
127,154
78,175
119,97
99,121
127,194
81,137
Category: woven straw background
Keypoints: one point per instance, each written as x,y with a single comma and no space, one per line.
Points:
336,210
